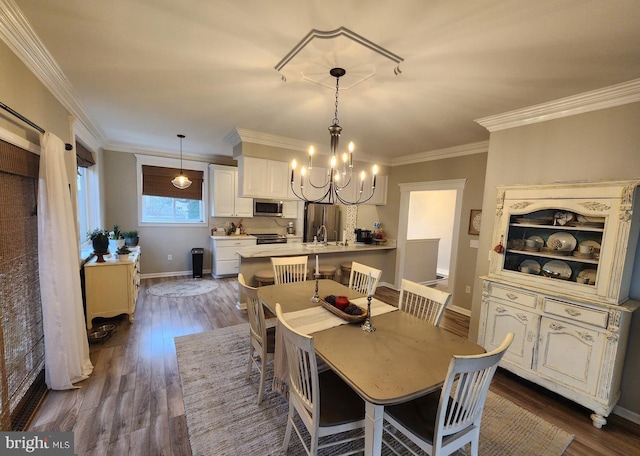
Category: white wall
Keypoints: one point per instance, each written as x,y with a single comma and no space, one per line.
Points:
431,216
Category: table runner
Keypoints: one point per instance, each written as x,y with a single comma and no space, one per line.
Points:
309,321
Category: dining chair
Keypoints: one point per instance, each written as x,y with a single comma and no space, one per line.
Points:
261,339
424,302
325,404
359,278
447,419
289,269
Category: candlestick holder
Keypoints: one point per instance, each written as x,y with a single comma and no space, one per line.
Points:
315,297
367,326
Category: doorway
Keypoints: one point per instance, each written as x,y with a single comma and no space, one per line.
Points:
429,211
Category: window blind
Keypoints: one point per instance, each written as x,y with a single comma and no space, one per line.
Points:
84,156
156,181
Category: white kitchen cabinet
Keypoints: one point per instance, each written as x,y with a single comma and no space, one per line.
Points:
571,333
263,178
225,201
111,288
290,209
379,197
224,259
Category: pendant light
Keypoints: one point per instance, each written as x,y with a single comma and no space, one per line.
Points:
181,181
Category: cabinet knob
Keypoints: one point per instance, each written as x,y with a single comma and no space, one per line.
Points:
512,296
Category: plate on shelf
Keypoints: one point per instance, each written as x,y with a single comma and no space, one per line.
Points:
593,244
558,269
534,221
589,274
533,266
538,240
562,241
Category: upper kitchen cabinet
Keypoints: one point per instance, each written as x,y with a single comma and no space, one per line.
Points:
573,239
263,178
379,198
225,201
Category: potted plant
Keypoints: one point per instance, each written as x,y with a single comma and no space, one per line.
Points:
116,240
100,241
131,238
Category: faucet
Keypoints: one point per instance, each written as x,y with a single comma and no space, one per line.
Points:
323,229
335,233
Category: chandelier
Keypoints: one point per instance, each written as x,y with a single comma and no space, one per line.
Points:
334,184
181,181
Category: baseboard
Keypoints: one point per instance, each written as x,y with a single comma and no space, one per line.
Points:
154,275
627,414
388,285
460,310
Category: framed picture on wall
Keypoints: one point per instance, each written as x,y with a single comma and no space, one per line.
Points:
475,220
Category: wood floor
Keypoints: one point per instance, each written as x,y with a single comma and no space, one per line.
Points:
132,403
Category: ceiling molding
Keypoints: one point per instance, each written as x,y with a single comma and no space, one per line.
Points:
441,154
239,135
608,97
18,34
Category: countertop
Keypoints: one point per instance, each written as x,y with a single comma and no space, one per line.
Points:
270,250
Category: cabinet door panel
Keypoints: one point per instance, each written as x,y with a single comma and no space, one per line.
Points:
570,354
502,320
279,179
224,182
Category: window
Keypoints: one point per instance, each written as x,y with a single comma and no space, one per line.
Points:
160,203
88,200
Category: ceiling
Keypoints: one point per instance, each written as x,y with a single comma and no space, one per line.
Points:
143,71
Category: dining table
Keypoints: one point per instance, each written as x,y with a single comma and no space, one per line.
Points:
404,358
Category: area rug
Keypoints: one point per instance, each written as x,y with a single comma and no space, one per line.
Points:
223,417
182,288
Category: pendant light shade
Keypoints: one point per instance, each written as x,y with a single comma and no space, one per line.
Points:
181,181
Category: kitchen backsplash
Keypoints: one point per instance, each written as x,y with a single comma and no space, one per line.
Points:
255,225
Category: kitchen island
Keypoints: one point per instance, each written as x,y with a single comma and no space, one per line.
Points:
255,258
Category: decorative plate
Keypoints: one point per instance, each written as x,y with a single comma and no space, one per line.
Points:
589,274
531,264
562,241
559,268
534,221
538,240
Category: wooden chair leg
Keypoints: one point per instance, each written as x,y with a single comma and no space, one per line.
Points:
250,360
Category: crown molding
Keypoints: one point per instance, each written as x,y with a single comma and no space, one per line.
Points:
441,154
608,97
239,135
18,34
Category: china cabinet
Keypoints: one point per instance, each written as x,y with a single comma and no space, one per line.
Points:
559,279
111,287
225,201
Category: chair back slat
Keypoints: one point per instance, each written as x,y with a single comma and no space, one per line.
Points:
255,311
289,269
423,302
359,278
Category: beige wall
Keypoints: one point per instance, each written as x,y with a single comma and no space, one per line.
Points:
599,145
470,167
121,208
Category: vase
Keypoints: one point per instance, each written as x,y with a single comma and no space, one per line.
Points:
100,248
131,241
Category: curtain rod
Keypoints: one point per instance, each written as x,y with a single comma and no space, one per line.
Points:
67,146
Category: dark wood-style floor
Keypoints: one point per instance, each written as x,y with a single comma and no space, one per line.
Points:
132,403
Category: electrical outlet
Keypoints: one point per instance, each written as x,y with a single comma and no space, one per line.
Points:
467,289
169,257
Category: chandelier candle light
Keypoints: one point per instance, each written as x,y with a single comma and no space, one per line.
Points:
181,181
336,181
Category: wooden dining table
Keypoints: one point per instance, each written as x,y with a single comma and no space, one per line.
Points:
404,358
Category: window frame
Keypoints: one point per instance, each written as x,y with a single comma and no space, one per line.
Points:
172,163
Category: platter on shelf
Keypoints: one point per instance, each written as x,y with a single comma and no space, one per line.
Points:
589,274
561,241
529,267
534,221
557,269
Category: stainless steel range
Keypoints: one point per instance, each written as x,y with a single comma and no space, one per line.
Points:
270,238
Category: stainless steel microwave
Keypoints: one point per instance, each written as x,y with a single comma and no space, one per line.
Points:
267,208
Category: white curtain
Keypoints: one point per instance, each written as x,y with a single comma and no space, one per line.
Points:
66,349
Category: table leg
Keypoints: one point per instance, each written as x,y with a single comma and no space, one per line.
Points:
373,429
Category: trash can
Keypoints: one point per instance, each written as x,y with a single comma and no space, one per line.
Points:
197,255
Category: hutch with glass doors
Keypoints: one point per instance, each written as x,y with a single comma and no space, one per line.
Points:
559,278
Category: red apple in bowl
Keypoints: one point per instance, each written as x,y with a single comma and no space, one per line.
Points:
342,302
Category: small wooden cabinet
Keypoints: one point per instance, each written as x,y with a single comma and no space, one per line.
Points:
225,201
111,287
224,259
569,310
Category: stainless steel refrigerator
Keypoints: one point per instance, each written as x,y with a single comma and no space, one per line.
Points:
316,215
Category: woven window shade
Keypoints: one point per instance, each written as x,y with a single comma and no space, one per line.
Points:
84,156
156,181
21,332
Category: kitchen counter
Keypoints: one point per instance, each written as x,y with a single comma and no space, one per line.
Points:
294,249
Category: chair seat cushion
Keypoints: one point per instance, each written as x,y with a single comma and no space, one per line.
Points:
339,404
418,415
